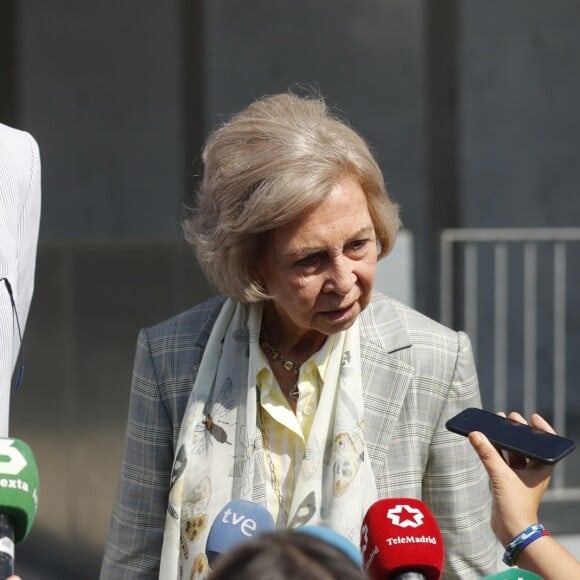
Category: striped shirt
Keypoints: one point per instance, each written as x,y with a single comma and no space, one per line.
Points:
287,433
19,221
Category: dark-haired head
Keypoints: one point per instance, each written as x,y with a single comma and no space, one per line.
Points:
286,555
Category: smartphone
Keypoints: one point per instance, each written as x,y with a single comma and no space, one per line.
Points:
512,436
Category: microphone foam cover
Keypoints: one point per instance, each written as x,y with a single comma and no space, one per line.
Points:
334,539
513,574
399,535
238,521
18,485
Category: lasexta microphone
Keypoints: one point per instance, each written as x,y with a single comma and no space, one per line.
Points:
400,540
238,521
18,498
334,539
513,574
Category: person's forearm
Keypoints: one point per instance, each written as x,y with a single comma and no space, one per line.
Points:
549,559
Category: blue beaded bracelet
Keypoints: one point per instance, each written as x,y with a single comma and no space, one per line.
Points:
523,539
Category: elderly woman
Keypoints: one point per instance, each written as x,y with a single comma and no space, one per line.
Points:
299,388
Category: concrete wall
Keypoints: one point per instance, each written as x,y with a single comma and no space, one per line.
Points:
100,89
519,142
520,120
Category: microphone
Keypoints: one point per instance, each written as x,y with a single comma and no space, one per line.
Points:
334,539
238,521
513,574
18,498
400,540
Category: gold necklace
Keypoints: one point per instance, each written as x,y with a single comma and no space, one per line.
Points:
273,477
287,364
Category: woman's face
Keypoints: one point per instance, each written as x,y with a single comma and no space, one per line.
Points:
321,268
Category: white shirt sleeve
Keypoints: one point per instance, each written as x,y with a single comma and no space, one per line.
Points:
19,224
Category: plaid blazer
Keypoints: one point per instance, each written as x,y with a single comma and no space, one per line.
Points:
415,374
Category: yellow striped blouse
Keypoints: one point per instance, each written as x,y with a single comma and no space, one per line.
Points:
287,433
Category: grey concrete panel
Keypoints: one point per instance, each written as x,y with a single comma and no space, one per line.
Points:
520,137
520,121
100,89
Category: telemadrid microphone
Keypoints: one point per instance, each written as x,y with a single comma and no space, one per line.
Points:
513,574
238,521
334,539
400,540
18,498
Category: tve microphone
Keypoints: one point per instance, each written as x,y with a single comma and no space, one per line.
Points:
513,574
400,540
238,521
334,539
18,498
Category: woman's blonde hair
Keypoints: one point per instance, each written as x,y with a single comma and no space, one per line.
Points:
263,169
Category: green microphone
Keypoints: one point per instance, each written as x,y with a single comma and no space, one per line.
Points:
513,574
18,498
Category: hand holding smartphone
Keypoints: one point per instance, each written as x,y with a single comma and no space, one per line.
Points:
511,435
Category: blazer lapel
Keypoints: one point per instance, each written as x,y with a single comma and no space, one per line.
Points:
386,372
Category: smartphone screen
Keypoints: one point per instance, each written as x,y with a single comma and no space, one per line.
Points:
511,435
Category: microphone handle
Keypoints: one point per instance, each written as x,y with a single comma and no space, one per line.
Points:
409,575
6,547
